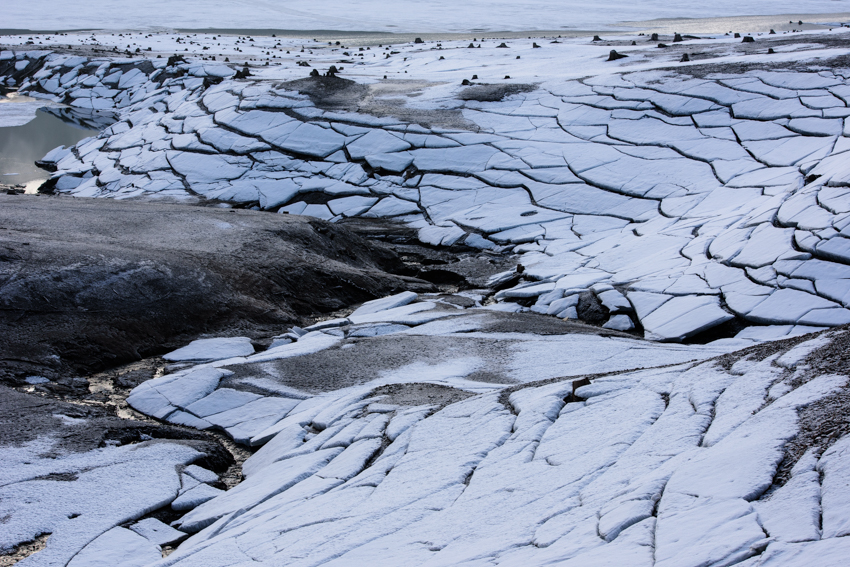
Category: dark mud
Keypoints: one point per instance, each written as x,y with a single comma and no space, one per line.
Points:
493,93
92,284
383,99
420,394
826,421
431,263
359,360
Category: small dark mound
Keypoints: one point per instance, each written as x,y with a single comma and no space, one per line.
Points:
328,90
748,39
613,56
684,58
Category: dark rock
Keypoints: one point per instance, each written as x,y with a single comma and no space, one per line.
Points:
596,38
418,40
332,71
474,77
770,51
576,385
502,46
210,81
535,46
772,32
684,58
590,309
443,277
662,45
314,73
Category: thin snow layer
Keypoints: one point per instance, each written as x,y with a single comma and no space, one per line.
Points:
700,200
441,346
374,15
669,466
212,349
77,497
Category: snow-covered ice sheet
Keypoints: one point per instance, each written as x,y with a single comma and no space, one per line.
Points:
675,463
678,202
701,200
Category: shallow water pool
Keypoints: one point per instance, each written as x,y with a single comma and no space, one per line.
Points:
22,144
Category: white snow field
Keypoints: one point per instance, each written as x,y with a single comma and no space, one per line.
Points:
377,15
462,430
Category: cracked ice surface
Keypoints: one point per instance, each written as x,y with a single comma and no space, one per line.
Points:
723,196
670,464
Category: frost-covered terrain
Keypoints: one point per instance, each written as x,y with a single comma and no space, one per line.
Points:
475,458
672,466
682,200
698,199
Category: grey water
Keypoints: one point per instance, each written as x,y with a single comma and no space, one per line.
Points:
22,146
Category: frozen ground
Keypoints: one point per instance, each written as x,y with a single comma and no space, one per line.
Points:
682,198
678,201
376,15
682,465
687,458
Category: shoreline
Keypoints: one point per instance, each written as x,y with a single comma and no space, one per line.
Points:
708,25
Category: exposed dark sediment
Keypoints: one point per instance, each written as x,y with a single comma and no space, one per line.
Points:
87,285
